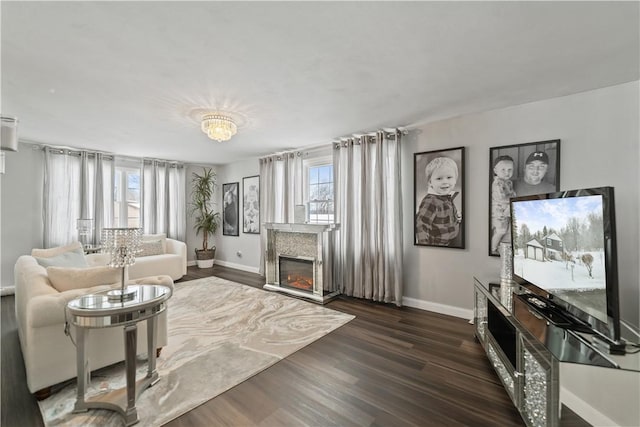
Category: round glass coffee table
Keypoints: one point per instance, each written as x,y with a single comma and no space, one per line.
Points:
99,311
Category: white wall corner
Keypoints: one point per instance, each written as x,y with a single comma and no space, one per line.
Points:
449,310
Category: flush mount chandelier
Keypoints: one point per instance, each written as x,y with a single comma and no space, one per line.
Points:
219,127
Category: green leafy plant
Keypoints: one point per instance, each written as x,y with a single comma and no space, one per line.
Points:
202,206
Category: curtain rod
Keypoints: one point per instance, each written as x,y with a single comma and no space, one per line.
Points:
62,148
389,131
298,151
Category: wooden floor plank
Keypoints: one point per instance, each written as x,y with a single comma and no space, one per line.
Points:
389,367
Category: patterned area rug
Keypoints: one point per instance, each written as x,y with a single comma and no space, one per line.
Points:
220,334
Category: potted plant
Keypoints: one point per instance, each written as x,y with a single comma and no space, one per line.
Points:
206,220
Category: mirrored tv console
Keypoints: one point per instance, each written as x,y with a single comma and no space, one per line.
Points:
525,347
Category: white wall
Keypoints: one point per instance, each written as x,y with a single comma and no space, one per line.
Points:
21,227
242,251
599,135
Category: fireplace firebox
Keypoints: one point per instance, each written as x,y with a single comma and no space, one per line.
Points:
296,272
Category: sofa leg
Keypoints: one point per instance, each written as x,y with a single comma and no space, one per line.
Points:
158,350
43,393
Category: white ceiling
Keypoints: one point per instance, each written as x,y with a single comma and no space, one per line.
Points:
129,77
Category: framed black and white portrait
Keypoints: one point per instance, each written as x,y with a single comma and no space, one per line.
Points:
518,170
251,205
439,198
230,226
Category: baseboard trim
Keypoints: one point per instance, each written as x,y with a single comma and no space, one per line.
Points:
438,308
238,266
230,265
409,302
7,290
586,411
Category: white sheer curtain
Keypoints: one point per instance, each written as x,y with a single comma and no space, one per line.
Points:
281,189
369,211
163,199
77,184
103,198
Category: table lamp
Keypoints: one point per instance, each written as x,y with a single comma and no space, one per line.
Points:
85,229
122,244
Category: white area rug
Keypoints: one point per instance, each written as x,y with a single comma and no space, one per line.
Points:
220,334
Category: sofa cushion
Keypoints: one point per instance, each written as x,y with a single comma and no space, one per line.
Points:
153,237
72,258
65,279
151,247
51,252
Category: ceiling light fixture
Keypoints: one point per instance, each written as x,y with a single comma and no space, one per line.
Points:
218,127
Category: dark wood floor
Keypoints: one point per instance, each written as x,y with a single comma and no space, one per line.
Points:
388,367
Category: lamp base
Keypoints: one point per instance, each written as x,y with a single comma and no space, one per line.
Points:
124,294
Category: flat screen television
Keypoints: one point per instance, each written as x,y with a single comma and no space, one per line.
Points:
564,250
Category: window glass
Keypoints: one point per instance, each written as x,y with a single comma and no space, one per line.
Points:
313,175
325,174
320,194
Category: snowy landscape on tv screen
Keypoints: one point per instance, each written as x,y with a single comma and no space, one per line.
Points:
559,243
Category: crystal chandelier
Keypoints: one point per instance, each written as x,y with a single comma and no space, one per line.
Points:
218,127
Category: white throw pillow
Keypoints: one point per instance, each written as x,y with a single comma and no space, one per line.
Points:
51,252
64,279
68,258
151,237
151,247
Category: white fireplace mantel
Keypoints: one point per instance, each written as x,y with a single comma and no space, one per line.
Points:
302,241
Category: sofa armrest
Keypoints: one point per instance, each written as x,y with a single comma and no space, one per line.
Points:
45,310
179,248
176,247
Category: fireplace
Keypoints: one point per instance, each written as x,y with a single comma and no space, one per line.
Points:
299,260
297,272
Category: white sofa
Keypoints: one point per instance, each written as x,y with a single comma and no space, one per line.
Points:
173,262
49,355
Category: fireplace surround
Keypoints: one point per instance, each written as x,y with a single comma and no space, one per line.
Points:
306,253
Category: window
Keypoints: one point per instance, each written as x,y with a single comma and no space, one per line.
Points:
126,197
319,191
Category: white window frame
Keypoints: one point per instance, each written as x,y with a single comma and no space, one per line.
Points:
313,163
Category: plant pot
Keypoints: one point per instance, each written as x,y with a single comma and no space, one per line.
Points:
204,263
204,258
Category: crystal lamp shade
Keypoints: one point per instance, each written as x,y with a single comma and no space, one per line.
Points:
122,244
218,127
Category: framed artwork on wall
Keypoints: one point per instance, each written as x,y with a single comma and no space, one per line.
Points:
518,170
230,225
438,203
251,205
